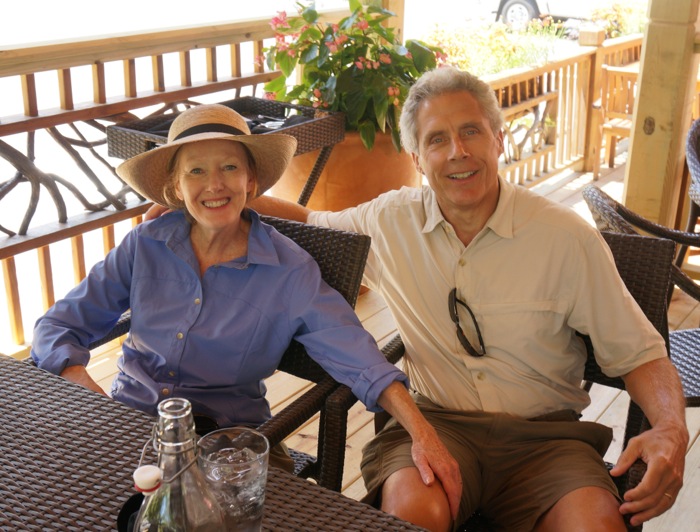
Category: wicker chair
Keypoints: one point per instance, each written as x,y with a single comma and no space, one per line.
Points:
611,215
644,265
341,256
692,157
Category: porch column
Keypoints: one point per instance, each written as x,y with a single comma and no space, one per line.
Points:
667,86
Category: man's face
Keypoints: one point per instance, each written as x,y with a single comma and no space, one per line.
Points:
458,154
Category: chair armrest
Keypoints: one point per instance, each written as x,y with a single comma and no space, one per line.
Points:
120,329
285,422
334,423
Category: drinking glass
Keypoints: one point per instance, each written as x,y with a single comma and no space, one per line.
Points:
234,461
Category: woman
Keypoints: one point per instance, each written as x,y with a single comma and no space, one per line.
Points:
216,295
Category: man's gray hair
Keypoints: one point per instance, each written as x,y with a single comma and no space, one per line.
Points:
440,81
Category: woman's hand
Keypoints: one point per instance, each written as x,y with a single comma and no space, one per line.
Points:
79,375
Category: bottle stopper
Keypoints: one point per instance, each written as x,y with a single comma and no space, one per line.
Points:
147,478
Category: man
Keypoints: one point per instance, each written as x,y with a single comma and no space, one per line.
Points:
492,356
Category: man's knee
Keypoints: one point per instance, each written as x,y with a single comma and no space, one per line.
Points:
406,496
590,508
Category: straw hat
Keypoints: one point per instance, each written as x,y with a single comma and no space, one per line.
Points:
147,172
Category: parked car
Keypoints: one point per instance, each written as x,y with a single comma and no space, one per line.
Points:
520,12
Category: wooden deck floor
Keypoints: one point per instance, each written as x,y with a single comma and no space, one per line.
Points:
607,406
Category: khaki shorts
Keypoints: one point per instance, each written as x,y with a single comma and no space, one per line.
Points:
279,457
513,470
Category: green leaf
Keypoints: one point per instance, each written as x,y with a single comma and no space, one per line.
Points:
396,139
309,54
367,133
309,14
423,57
355,106
287,63
355,5
381,107
275,85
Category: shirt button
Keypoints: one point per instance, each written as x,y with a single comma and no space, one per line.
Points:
462,262
165,391
171,373
480,376
180,336
197,301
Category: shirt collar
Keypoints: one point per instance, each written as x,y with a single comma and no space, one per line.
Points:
174,231
500,222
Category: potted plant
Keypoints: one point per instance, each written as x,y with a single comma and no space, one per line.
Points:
358,67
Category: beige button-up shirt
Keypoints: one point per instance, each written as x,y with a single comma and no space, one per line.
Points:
534,275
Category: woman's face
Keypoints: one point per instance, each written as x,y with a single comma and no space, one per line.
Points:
214,180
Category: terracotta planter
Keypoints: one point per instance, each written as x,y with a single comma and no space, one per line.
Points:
352,175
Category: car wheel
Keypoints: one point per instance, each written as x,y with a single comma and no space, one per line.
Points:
517,13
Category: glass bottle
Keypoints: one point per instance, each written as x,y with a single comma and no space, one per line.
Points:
183,502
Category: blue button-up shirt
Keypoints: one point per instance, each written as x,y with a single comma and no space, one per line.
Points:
212,339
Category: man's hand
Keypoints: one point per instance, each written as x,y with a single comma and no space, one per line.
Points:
79,375
663,449
434,460
656,388
431,457
154,211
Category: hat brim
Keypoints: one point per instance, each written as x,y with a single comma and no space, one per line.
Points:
147,173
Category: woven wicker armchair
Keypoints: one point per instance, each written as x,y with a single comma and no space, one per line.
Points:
610,215
341,257
692,157
644,265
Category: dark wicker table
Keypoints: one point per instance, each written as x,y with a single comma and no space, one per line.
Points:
320,130
67,455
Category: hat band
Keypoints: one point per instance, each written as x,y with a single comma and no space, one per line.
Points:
209,128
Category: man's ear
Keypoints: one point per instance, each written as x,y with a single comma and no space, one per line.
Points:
416,162
499,138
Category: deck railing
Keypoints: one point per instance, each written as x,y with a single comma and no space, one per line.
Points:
63,96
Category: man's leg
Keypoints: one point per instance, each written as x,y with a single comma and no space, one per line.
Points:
590,508
406,496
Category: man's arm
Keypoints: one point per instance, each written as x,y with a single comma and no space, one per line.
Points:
280,208
656,388
429,453
264,205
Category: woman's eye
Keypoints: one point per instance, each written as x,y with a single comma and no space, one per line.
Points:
230,167
196,171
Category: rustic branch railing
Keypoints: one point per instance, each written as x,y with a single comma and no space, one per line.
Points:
106,81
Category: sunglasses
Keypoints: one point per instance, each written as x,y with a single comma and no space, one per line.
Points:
452,302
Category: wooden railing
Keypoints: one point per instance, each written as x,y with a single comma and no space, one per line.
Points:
93,83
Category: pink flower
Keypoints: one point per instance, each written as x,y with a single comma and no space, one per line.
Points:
279,21
385,58
375,64
340,39
396,102
317,93
332,46
359,65
440,56
270,96
362,24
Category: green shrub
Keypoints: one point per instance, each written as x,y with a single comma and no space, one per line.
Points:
495,47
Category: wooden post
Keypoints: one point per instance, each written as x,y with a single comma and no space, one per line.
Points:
667,87
397,22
